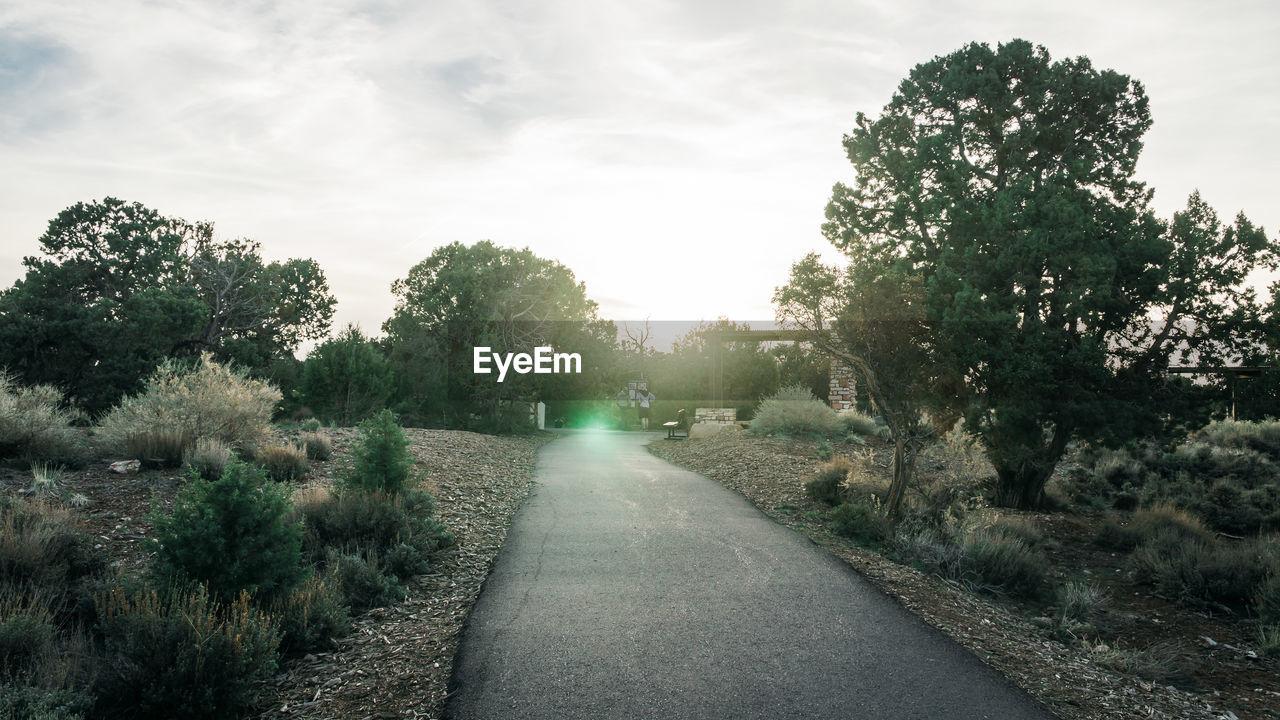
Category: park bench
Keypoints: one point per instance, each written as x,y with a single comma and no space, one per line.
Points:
675,426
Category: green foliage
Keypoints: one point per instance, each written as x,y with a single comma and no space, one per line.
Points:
1266,601
310,425
210,400
1001,562
1150,523
43,673
347,378
855,423
312,616
1200,570
374,522
827,485
859,519
380,457
463,297
179,653
1080,601
283,463
1050,287
209,457
364,585
231,534
119,288
44,555
315,445
34,427
795,412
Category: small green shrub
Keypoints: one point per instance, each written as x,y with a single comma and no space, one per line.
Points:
35,428
823,450
1198,572
209,458
158,447
856,424
1269,640
208,401
1266,601
859,519
827,485
380,457
317,446
357,521
1080,601
312,616
283,463
1003,563
1018,528
364,586
231,534
795,412
46,480
310,425
1148,523
45,554
1263,437
179,653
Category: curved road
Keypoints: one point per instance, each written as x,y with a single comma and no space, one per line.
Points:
629,588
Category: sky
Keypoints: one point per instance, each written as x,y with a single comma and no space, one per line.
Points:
676,156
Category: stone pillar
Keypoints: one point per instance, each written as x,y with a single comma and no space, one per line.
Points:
842,390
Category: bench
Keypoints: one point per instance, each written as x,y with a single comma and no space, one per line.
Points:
673,427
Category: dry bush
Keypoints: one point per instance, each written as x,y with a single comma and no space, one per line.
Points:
317,446
158,447
208,401
33,426
282,462
209,458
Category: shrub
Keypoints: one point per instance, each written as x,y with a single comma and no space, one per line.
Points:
43,553
364,585
1263,437
42,673
859,519
826,486
795,412
1198,572
855,423
1018,528
34,428
315,445
310,425
358,521
180,653
958,464
231,534
1080,601
209,458
1266,601
45,480
1003,563
1269,640
823,450
1149,523
312,615
282,463
158,447
208,401
380,457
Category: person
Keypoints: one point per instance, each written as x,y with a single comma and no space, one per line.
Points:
644,399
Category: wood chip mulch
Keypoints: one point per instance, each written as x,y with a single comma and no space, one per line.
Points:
770,472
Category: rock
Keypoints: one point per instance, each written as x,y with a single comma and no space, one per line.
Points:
125,466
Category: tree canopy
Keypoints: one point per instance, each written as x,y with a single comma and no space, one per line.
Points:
120,287
1004,181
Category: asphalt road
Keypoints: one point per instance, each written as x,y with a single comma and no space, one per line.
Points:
629,588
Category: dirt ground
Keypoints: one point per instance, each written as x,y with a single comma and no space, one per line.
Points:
1158,659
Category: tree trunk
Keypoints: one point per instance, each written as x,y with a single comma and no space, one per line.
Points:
904,463
1020,484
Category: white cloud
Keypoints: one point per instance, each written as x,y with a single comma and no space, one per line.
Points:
653,148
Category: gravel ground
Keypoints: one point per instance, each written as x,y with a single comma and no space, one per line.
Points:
770,472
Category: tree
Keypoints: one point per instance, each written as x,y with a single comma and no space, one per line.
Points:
511,301
1004,182
874,318
347,378
104,305
120,287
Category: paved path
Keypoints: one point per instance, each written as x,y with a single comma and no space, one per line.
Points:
629,588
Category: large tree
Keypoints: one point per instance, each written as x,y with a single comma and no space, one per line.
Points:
1005,182
510,301
119,287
